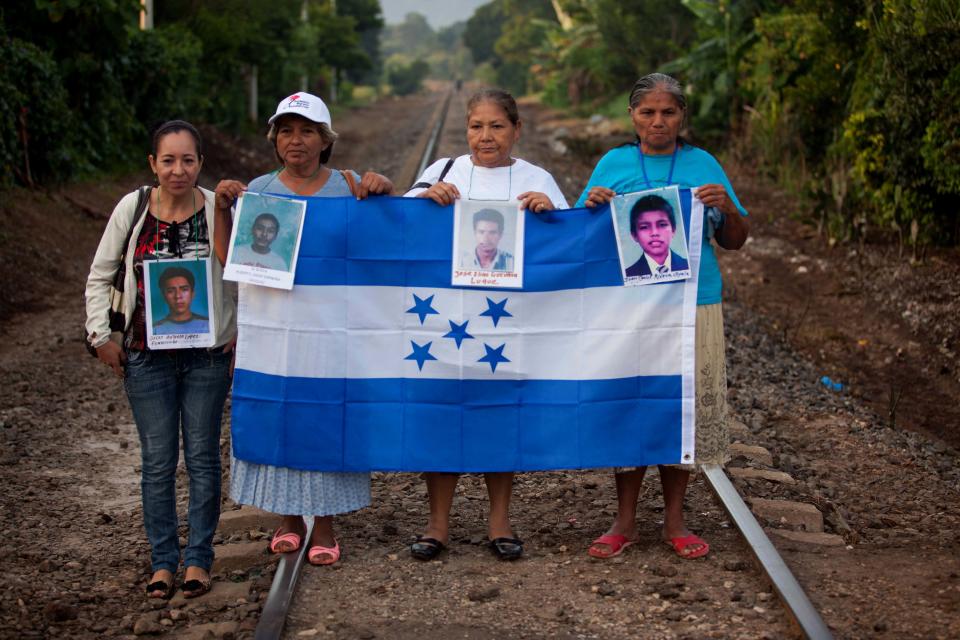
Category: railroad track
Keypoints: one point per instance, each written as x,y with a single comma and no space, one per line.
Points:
797,605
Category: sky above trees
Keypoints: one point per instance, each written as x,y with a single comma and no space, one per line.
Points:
439,13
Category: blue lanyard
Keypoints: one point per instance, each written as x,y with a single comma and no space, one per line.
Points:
673,163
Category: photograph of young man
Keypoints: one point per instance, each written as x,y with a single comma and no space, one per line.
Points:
487,255
258,253
652,226
178,287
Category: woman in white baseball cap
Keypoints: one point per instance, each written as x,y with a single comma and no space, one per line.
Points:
302,138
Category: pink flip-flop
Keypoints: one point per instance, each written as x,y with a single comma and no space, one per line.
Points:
615,541
290,536
319,555
681,543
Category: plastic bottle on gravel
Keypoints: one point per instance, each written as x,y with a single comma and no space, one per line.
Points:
830,384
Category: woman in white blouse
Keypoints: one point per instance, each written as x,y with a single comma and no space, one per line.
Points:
488,172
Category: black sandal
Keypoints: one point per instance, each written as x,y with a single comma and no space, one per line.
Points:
195,588
507,548
426,548
161,585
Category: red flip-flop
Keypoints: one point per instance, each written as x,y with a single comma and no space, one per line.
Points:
681,543
615,541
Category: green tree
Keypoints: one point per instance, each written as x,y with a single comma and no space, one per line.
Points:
406,78
231,48
34,102
506,33
414,36
88,42
443,50
483,29
725,31
642,35
119,81
903,101
368,23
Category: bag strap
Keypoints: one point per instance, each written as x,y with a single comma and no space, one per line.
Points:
446,169
143,199
351,182
443,174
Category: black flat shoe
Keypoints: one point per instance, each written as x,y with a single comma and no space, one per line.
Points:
507,548
195,588
426,548
161,585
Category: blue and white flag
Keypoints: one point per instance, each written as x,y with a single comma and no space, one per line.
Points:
374,361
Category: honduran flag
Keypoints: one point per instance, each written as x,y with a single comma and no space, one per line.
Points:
374,361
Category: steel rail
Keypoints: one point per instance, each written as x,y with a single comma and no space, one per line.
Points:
791,594
284,584
431,147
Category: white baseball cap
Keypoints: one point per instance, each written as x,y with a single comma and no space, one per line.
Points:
306,105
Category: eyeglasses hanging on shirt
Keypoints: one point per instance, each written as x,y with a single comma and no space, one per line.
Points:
509,184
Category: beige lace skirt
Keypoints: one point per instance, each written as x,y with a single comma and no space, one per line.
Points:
712,435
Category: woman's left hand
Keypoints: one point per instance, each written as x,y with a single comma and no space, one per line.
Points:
372,184
716,196
535,201
227,192
734,229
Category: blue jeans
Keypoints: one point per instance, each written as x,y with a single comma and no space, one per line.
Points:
168,391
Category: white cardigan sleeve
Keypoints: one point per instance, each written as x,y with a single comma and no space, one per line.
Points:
103,269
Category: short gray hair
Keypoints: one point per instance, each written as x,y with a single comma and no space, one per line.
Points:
657,82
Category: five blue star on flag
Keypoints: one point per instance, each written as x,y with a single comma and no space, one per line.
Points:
423,307
458,332
494,356
496,310
421,353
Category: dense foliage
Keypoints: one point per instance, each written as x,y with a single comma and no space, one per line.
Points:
415,51
81,84
853,105
405,78
502,36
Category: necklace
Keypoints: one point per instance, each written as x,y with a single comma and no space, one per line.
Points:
509,182
173,223
643,166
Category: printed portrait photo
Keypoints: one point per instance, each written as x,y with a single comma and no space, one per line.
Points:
265,240
488,243
178,303
650,236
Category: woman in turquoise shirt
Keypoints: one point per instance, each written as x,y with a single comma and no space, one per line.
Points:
660,157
